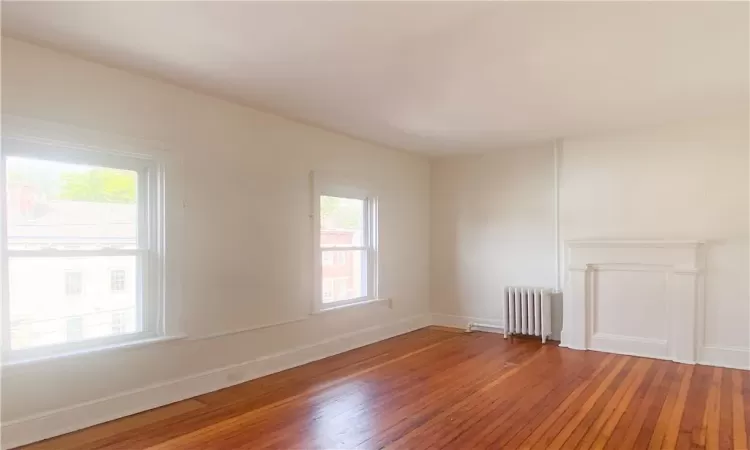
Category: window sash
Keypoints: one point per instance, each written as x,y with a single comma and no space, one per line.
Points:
149,198
146,311
369,239
367,273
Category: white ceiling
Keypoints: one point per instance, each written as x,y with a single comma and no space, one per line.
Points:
425,76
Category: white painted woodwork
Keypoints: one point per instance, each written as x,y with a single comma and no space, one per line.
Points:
634,297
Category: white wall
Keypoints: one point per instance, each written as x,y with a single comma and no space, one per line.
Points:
680,182
492,226
493,222
247,242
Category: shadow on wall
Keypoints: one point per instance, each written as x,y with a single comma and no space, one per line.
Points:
556,301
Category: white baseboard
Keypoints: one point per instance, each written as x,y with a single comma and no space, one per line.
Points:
495,325
448,320
730,357
53,423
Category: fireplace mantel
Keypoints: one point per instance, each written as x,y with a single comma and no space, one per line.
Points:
636,297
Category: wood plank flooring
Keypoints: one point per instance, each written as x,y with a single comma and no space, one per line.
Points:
434,388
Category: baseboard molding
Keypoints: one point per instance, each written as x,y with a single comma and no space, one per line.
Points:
462,322
53,423
730,357
495,325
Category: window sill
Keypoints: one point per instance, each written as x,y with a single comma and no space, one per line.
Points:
12,364
386,301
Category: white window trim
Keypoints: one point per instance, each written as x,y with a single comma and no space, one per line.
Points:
33,138
340,187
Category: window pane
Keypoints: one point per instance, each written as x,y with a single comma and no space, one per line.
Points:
75,301
117,280
346,277
69,206
341,221
73,283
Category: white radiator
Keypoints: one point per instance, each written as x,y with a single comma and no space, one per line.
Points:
527,310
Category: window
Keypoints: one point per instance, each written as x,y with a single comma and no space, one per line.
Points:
73,283
119,324
340,258
74,328
69,214
117,281
341,288
327,290
327,259
346,237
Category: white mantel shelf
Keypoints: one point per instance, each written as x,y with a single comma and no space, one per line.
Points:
632,243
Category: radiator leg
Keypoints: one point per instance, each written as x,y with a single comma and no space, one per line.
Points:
544,338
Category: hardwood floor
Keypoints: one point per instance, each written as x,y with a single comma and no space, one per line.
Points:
435,388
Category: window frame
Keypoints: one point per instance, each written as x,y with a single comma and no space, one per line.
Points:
149,251
340,187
